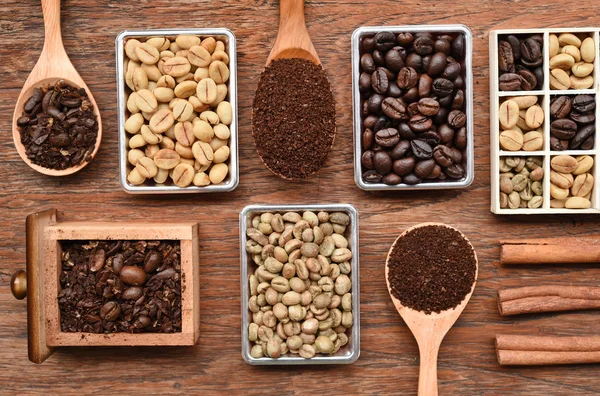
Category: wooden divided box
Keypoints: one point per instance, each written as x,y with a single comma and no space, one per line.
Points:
44,236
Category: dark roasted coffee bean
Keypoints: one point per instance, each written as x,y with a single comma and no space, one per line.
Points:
152,261
531,65
506,58
457,119
426,62
387,137
431,137
446,101
412,95
423,45
368,137
22,121
456,155
110,311
443,156
509,82
364,108
442,45
381,123
412,109
458,47
582,118
558,145
584,103
370,121
37,95
392,179
424,34
405,132
588,144
385,40
29,105
404,166
394,59
97,258
400,150
515,45
424,168
391,76
561,107
364,82
133,293
407,78
455,171
367,63
539,76
394,108
420,123
452,71
378,58
442,87
435,172
414,60
405,39
581,136
424,85
117,263
374,103
142,321
132,275
460,138
441,117
458,101
563,129
367,159
528,80
380,81
459,83
446,133
428,106
421,149
531,50
368,44
371,176
382,162
411,179
394,90
437,64
60,140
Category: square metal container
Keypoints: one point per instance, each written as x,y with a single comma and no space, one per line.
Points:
350,352
232,179
432,185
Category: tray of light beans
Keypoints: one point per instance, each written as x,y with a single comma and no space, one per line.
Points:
300,287
177,98
543,121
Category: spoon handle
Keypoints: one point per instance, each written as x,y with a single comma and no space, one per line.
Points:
53,40
428,369
291,16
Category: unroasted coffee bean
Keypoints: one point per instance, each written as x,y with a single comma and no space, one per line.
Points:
387,137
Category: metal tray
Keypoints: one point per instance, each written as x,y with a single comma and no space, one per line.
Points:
432,185
348,353
232,179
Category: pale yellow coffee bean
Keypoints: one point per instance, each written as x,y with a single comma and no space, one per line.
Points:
182,53
160,64
151,150
209,44
221,56
222,92
147,54
160,43
199,56
166,54
524,102
146,167
203,131
170,132
183,110
210,116
203,153
134,155
177,66
511,140
130,46
161,176
201,179
185,89
166,82
225,113
553,47
167,143
568,39
173,102
167,158
199,107
557,192
221,155
129,78
577,203
151,86
183,174
163,94
534,117
173,47
218,173
222,131
571,50
533,141
134,123
559,79
149,136
206,90
521,123
584,164
186,41
563,163
200,73
557,203
147,116
217,143
188,161
562,61
184,133
218,71
152,72
184,151
198,167
588,50
136,141
139,79
161,121
582,185
131,105
219,46
562,180
582,69
508,114
135,178
187,77
582,83
146,101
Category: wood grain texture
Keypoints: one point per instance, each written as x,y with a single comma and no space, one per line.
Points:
389,357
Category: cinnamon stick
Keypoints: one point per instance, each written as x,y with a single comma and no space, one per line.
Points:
545,350
535,299
550,251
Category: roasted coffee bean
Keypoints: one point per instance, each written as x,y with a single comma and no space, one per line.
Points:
392,179
364,82
563,129
394,90
426,62
400,150
443,156
412,95
437,64
423,45
371,176
407,78
455,171
382,122
414,60
459,47
531,50
446,133
367,63
378,58
152,261
394,108
452,71
431,137
97,258
382,162
394,59
387,137
515,46
404,166
584,103
421,149
428,106
411,179
509,82
458,101
442,87
539,77
588,144
582,118
457,119
385,41
405,39
424,85
368,137
110,311
370,121
506,59
374,103
367,159
420,123
380,81
424,168
561,107
441,117
368,43
412,109
581,136
528,80
557,144
442,45
133,275
405,132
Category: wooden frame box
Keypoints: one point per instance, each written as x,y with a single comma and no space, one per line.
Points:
44,234
546,153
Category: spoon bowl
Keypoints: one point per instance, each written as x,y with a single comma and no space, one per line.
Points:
429,329
53,65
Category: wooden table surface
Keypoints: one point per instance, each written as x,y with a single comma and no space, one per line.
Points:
389,358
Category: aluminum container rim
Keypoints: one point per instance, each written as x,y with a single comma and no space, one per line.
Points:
470,151
290,360
233,99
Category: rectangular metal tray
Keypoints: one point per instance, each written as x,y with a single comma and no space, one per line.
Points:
347,354
439,185
232,179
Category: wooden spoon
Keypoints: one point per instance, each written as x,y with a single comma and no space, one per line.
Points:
53,65
428,329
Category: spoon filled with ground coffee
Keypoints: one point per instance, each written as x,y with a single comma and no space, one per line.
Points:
431,270
293,114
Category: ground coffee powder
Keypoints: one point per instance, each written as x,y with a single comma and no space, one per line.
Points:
431,269
293,121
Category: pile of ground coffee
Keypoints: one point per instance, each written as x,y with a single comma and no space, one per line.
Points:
293,121
431,269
